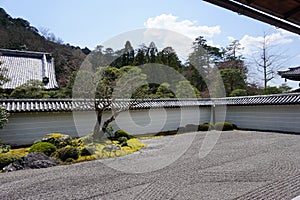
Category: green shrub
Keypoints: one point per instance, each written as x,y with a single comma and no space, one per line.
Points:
67,152
122,133
234,126
43,147
205,127
238,92
191,127
87,151
6,159
272,90
4,148
69,160
122,141
224,126
188,128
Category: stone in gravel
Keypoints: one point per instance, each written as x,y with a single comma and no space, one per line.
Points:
33,160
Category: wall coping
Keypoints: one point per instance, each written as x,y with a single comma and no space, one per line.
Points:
63,105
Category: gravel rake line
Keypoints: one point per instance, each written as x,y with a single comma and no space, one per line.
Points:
280,189
164,190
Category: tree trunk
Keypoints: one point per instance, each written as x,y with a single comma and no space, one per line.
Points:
98,134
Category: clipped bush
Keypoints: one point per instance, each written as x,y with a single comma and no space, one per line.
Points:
191,127
43,147
224,126
67,152
6,159
234,126
205,127
87,151
122,133
122,141
4,148
187,128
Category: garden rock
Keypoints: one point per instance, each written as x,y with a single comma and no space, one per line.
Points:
31,161
63,138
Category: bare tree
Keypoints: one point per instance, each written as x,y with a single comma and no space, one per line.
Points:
45,32
268,59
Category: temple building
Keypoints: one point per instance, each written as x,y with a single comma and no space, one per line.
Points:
292,73
23,66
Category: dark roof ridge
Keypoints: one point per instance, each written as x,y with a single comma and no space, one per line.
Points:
10,52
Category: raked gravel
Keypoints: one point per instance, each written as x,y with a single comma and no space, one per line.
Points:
242,165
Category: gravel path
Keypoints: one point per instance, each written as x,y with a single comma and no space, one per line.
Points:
242,165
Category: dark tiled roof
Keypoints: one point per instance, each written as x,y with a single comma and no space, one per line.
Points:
25,65
292,73
279,99
52,105
56,105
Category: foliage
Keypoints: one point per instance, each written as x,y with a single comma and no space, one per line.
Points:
33,89
87,151
285,88
106,85
67,152
3,117
185,90
4,148
164,91
122,141
122,133
232,79
205,127
43,147
238,92
272,90
6,159
224,126
19,151
3,77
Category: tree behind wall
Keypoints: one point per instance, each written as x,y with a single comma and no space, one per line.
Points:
267,60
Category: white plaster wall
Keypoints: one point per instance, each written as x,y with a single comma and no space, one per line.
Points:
25,128
284,118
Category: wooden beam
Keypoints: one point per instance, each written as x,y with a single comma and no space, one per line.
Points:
291,12
243,10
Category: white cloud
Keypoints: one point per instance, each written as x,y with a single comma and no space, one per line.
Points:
251,44
185,27
230,38
166,30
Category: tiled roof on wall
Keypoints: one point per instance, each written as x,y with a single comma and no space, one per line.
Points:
60,105
25,65
279,99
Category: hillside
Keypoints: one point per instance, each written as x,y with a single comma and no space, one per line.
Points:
17,34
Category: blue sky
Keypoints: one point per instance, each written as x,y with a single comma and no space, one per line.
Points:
93,22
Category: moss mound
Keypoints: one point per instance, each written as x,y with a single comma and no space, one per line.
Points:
206,127
67,153
43,147
224,126
6,159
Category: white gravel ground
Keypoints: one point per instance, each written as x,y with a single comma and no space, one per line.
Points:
242,165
